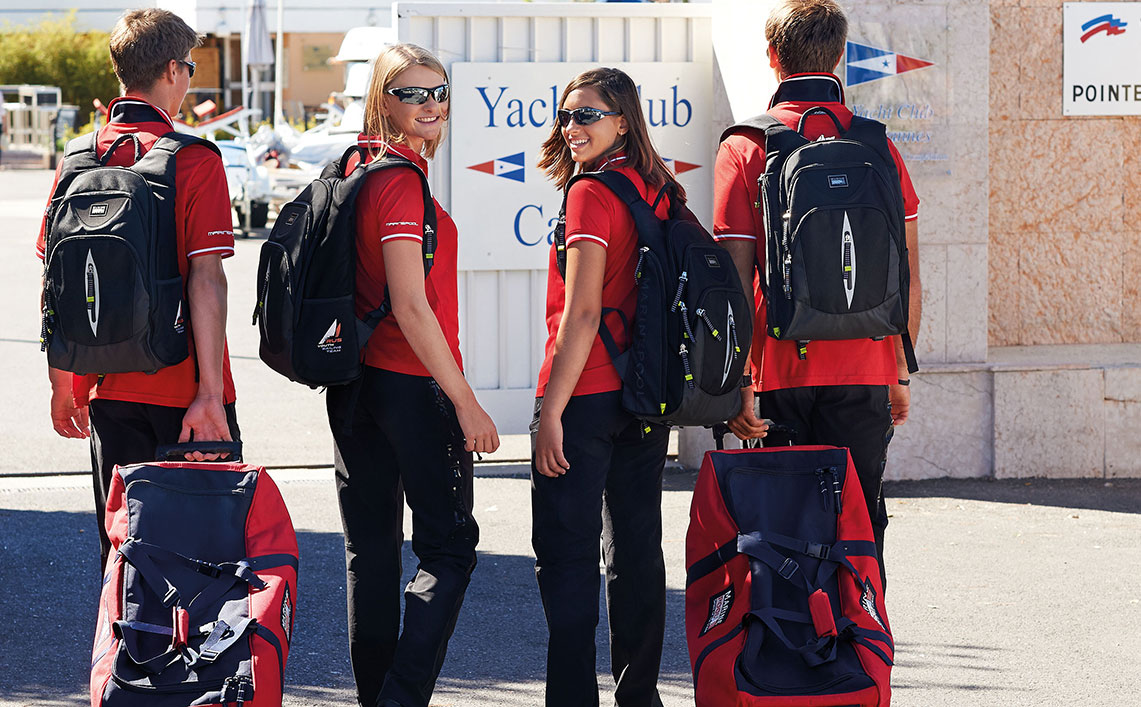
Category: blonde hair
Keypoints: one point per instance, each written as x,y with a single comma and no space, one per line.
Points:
393,61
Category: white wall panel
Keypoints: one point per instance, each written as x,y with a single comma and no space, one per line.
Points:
502,312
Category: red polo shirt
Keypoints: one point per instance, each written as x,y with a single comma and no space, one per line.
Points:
202,227
390,207
740,163
596,214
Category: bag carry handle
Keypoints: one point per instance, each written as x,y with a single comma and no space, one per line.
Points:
814,110
115,145
178,452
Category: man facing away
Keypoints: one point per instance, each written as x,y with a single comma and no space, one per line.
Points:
845,393
130,414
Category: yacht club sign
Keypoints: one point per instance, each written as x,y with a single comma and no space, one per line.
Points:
503,204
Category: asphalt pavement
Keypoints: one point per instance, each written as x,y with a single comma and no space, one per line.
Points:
1000,593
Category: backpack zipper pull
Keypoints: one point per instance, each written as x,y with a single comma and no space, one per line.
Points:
685,364
823,488
680,288
261,298
733,338
712,329
641,259
685,321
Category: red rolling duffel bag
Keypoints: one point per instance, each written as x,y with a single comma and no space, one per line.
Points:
784,601
200,589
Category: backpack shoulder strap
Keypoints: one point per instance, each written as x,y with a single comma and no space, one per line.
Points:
428,246
763,123
626,192
158,164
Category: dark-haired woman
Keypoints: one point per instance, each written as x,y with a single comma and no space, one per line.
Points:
415,421
597,471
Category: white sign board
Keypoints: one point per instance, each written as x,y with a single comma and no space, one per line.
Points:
1101,72
504,206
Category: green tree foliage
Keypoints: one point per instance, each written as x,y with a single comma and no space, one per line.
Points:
53,52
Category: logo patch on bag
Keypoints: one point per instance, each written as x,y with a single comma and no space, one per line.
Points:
287,614
868,602
179,320
711,261
292,218
331,341
719,606
98,209
837,181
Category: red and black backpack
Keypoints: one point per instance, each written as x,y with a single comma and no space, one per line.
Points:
784,602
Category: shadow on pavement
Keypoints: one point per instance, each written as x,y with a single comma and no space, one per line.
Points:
1115,495
51,590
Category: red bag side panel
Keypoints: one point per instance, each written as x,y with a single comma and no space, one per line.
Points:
269,531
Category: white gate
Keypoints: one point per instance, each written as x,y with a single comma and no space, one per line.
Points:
502,332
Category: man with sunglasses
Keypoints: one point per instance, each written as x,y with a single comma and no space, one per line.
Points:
130,414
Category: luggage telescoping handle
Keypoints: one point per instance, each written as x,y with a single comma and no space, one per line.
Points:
178,452
721,429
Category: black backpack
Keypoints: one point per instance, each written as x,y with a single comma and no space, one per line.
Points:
113,295
309,329
836,254
685,362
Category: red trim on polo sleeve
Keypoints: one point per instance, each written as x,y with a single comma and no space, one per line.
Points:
590,212
733,194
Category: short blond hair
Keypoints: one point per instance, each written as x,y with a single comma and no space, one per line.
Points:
393,61
143,42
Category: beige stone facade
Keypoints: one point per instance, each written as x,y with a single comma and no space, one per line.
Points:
1065,196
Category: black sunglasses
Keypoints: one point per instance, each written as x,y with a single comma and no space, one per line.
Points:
419,96
190,66
584,116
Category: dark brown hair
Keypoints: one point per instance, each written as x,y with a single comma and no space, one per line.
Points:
619,93
807,35
144,42
392,62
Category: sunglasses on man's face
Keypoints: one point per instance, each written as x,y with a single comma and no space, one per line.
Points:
419,96
583,116
190,66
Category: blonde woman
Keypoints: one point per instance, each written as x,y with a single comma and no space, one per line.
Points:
409,431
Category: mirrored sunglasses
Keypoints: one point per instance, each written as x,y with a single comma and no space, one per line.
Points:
584,116
418,96
190,66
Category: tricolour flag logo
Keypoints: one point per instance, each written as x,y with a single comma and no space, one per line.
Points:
680,167
509,167
866,63
1106,23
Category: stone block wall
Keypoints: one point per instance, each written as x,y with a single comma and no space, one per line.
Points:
1065,196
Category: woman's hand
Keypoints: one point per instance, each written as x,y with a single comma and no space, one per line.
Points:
549,459
478,428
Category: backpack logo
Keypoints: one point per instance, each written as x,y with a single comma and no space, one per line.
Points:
92,277
99,209
179,322
868,602
331,341
728,347
837,181
848,260
711,261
